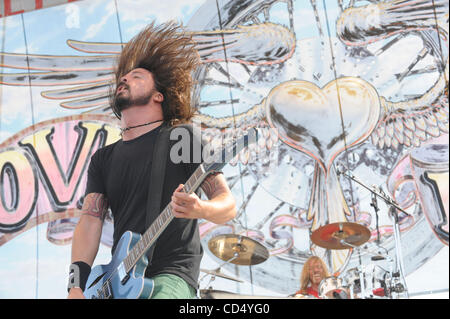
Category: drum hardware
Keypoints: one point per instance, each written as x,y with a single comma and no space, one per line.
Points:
217,273
370,281
381,282
215,294
375,256
332,288
352,280
238,249
221,294
379,255
397,286
362,281
363,284
393,213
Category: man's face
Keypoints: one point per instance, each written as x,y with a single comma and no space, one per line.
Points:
316,272
135,88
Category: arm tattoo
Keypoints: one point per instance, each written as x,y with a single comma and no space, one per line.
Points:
95,204
210,185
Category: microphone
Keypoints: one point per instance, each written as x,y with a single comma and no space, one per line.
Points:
379,190
374,202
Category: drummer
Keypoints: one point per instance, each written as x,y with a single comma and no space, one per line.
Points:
313,272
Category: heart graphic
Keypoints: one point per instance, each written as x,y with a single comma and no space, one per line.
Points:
321,123
309,118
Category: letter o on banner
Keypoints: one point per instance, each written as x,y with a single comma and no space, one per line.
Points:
18,187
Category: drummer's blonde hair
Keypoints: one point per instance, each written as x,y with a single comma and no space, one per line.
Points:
304,276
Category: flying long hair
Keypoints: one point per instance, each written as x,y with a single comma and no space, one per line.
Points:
304,276
169,53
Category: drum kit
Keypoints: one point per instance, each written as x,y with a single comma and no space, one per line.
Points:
362,282
370,281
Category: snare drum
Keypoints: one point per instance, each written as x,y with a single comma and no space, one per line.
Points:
331,285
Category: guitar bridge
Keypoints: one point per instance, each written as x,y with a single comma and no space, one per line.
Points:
105,292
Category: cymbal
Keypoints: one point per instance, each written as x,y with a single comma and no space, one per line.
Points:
218,273
245,250
330,236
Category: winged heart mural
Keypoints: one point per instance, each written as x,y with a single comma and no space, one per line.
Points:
356,84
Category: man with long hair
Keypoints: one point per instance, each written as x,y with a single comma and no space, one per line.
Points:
313,272
153,87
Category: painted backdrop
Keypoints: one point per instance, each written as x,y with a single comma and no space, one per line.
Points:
337,86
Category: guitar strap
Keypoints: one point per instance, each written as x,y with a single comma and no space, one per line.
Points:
155,189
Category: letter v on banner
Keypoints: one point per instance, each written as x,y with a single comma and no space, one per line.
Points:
62,165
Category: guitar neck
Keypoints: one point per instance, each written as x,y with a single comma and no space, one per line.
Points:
161,222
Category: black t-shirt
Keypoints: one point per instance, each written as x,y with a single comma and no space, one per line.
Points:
121,171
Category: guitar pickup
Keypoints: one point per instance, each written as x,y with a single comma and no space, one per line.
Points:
123,276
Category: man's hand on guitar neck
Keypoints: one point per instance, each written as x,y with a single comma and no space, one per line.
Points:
186,205
220,207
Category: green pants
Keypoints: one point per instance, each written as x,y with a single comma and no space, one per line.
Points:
168,286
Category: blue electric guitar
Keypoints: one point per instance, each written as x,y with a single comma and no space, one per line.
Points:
124,277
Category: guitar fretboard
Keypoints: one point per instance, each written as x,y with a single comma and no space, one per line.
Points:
161,222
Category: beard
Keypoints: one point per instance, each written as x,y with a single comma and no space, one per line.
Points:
123,101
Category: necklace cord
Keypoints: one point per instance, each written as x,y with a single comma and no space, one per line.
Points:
131,127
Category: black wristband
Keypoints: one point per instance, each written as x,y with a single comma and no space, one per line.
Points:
78,275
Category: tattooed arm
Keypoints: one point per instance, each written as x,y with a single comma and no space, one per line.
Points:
86,237
220,207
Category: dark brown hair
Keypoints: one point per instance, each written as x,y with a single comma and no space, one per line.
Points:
169,53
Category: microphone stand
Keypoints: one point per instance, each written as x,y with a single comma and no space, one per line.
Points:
374,204
393,207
